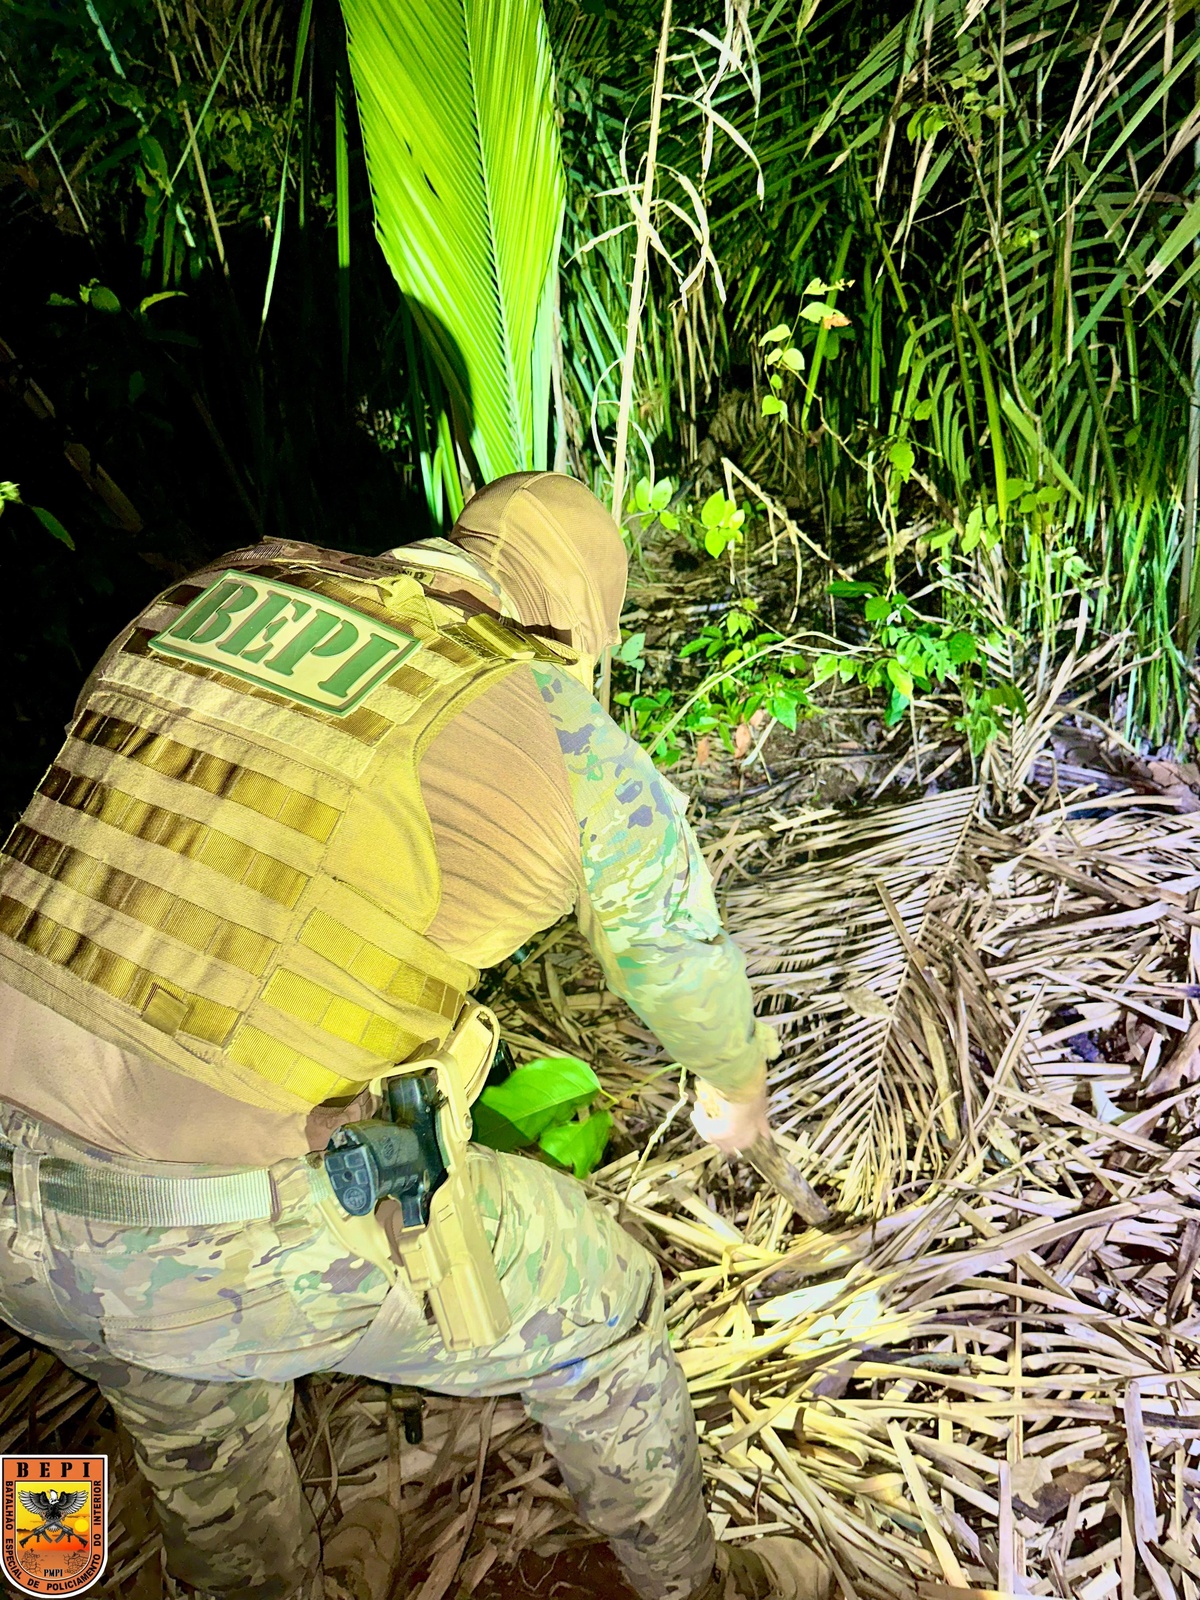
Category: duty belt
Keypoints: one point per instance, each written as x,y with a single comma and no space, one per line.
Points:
113,1194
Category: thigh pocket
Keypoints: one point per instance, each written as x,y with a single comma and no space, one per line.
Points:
216,1327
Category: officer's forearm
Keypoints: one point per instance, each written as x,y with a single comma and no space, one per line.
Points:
694,995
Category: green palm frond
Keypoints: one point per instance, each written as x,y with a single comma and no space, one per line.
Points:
456,104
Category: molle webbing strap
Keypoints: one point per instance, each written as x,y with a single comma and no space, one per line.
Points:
283,1064
227,779
398,980
182,919
196,841
319,1007
164,1005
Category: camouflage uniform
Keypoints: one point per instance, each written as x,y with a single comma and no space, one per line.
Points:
226,1318
195,1335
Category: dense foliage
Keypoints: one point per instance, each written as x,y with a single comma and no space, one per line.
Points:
918,283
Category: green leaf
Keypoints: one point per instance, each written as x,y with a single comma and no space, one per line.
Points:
922,411
773,406
1180,237
962,648
53,526
903,459
850,589
896,707
100,298
712,513
785,704
458,120
154,299
641,494
537,1096
816,309
661,497
878,607
578,1145
1006,695
792,359
775,334
631,651
901,677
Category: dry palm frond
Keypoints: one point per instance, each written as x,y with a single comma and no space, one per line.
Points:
995,1387
840,949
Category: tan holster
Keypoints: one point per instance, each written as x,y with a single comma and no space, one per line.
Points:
450,1260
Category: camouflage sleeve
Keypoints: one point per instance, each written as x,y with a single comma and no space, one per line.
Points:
647,906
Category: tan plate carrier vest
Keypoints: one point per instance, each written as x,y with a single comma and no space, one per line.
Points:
229,867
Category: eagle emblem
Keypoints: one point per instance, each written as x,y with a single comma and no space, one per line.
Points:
53,1524
52,1507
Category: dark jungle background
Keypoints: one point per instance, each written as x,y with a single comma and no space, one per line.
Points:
920,312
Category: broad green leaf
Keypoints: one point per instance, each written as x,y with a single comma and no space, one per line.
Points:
849,589
716,541
878,607
53,526
775,334
773,406
784,705
457,112
712,513
100,298
817,311
896,707
900,677
903,458
515,1113
631,651
578,1145
792,359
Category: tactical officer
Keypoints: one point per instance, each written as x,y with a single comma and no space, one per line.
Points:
304,799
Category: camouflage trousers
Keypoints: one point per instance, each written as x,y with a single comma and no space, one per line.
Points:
195,1336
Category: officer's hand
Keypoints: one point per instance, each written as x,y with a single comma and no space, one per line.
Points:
731,1125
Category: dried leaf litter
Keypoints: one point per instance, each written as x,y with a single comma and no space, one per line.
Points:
986,1377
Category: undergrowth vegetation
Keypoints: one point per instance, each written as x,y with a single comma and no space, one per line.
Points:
878,323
